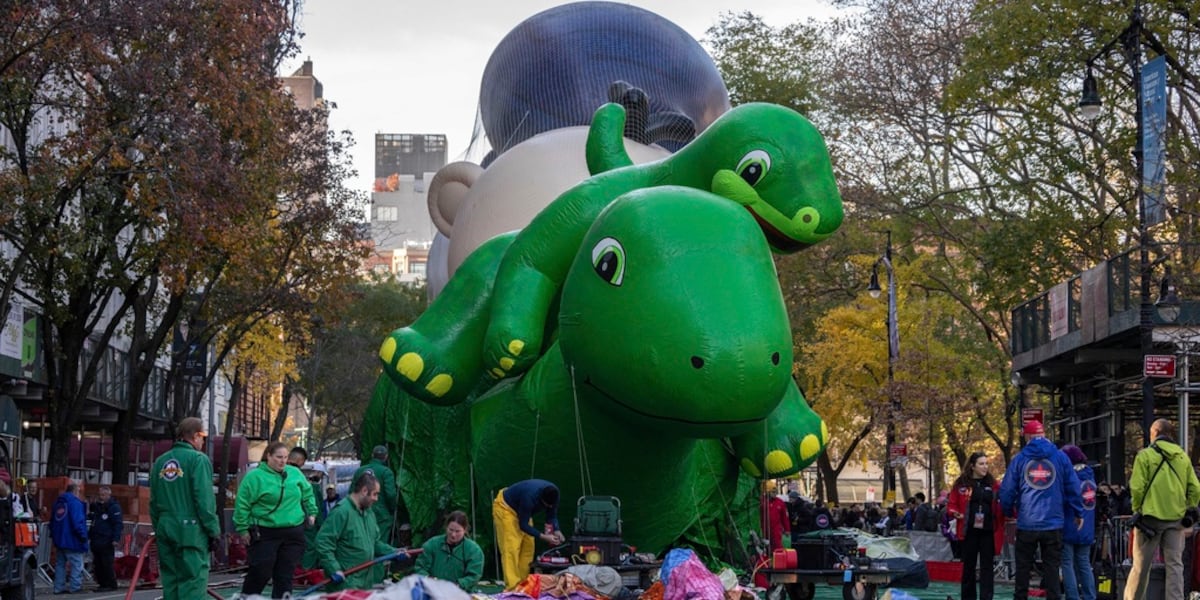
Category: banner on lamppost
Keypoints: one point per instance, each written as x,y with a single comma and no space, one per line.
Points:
192,357
1154,126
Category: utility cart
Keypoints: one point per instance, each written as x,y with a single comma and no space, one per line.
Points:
831,559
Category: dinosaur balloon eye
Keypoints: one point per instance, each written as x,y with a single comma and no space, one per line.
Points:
608,259
753,166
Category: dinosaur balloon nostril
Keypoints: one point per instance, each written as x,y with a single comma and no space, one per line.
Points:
775,358
697,362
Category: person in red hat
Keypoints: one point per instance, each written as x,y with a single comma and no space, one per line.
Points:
1041,489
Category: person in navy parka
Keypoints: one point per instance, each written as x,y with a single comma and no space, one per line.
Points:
1077,542
1042,490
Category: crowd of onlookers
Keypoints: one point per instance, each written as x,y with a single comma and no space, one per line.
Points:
916,513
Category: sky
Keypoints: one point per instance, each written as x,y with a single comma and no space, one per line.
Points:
413,66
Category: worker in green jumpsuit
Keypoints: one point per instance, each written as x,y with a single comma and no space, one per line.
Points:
385,509
350,537
297,458
183,510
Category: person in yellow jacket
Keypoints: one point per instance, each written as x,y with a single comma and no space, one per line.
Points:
1163,486
274,504
183,511
512,515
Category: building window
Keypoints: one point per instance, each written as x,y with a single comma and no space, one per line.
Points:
387,213
416,268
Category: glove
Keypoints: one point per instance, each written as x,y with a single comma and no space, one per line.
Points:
338,577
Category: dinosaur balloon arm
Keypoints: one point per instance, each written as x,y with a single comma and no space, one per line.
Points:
514,336
437,359
535,266
793,438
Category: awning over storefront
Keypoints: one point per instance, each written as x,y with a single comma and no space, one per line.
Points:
97,453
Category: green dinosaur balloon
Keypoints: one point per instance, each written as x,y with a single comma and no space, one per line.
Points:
667,383
769,161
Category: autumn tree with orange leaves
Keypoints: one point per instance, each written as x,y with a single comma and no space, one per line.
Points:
157,172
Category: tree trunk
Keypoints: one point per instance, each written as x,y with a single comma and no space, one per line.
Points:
828,478
281,416
902,475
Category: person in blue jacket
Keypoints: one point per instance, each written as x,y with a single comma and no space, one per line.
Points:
1077,542
1042,490
68,529
105,534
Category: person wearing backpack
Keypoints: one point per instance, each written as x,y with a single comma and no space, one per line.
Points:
1163,488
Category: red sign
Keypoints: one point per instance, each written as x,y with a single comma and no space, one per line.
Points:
1159,365
1031,414
898,450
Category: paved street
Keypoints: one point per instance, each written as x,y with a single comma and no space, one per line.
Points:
225,585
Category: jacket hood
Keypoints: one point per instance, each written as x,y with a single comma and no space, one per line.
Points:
1040,448
1169,448
1085,472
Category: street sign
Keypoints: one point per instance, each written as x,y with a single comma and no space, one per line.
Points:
1031,414
1159,365
870,494
898,450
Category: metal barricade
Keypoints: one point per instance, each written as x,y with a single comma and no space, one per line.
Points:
42,553
1006,564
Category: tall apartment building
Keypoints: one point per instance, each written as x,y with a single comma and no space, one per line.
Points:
401,229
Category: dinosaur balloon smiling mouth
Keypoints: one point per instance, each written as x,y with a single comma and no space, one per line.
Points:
588,382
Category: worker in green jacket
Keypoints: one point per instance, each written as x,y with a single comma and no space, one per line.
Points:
350,537
274,505
385,509
452,557
297,458
183,511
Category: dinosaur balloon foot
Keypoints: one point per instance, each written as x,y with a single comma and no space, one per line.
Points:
793,439
422,369
508,362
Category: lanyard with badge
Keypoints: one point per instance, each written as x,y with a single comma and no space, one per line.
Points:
978,521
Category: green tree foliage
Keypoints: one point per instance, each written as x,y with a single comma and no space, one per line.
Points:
761,63
338,369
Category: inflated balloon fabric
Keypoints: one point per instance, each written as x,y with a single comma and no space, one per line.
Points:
555,68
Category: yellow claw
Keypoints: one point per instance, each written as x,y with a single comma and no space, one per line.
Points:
824,433
507,363
387,350
515,347
778,461
411,365
810,445
498,373
439,385
750,468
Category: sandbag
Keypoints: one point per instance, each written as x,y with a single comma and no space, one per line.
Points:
605,580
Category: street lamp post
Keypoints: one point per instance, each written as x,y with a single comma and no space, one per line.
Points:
889,473
1131,39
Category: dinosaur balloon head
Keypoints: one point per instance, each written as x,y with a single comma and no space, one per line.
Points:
774,162
672,317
